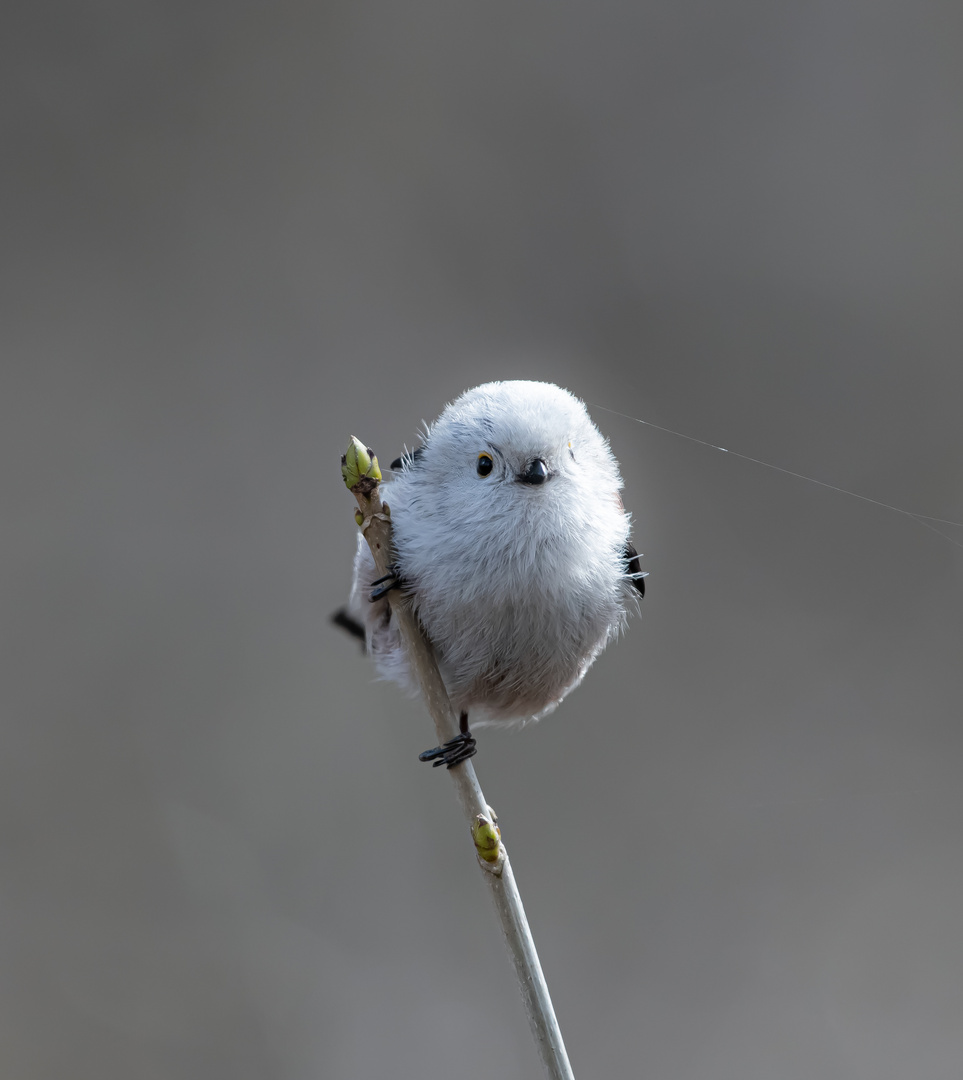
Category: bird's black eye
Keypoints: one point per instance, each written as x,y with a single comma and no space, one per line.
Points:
485,464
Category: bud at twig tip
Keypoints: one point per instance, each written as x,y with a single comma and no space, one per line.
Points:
360,466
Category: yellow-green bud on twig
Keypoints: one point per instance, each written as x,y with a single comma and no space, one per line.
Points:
487,837
359,467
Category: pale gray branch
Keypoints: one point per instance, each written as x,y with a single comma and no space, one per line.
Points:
375,523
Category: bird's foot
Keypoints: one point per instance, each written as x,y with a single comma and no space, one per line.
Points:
453,752
385,584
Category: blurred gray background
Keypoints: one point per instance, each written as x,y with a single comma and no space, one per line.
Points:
235,235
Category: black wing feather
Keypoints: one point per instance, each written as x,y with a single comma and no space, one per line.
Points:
633,566
399,462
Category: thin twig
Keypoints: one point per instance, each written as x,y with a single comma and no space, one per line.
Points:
361,473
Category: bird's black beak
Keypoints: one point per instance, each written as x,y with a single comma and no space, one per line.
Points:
536,473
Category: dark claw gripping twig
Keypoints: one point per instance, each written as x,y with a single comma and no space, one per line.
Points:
453,752
385,584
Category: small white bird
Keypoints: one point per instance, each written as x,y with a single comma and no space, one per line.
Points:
512,543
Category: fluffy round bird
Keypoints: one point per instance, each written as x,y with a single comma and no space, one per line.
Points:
512,543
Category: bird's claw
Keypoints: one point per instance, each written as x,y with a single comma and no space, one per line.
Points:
385,584
453,752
